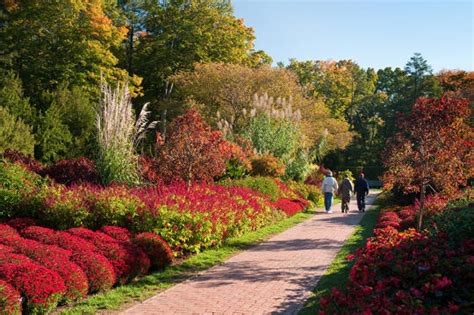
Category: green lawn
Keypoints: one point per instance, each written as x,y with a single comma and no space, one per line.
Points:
119,297
338,272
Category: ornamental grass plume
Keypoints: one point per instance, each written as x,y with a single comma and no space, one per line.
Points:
118,134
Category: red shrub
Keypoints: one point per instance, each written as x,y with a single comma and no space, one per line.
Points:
21,223
290,206
156,248
5,249
37,250
100,272
74,277
406,212
18,157
59,238
75,171
12,258
118,233
147,169
41,287
7,232
128,261
10,299
406,273
192,152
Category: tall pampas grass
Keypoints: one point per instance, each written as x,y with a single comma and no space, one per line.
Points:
118,134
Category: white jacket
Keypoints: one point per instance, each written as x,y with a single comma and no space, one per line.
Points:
329,185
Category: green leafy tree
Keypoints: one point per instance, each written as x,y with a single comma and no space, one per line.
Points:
59,41
15,134
180,33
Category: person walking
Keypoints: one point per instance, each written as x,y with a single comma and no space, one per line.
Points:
329,187
346,188
362,189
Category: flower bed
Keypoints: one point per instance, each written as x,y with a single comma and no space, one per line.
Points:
49,267
409,272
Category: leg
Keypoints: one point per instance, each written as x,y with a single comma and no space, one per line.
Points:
363,202
326,201
359,201
330,201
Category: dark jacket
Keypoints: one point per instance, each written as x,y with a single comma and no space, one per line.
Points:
361,186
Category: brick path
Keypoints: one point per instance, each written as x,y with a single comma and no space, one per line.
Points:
274,277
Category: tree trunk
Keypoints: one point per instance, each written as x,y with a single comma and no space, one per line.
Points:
422,206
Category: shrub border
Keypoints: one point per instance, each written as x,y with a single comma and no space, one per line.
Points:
126,295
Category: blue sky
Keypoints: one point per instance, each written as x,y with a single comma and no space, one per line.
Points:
373,33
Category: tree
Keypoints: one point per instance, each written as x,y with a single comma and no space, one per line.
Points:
59,41
179,33
192,151
421,82
230,88
52,136
15,134
12,98
434,147
339,84
78,114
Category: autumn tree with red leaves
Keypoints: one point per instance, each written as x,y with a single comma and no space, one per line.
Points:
433,148
192,151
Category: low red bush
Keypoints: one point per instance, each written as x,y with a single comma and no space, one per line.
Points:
41,287
7,232
156,248
99,271
75,171
5,249
128,261
21,223
18,157
406,273
10,299
12,258
290,206
118,233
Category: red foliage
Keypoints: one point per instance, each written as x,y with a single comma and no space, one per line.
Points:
18,157
41,287
7,232
118,233
99,271
405,272
128,261
10,299
21,223
434,147
147,169
192,152
156,248
75,171
291,206
12,258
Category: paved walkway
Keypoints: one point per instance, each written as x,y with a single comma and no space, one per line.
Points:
274,277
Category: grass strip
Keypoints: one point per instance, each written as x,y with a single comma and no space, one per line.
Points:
149,285
337,274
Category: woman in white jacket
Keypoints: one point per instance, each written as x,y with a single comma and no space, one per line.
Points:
329,187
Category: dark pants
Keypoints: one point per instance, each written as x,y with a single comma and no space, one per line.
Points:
361,201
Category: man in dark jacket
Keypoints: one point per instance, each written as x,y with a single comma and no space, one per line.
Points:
361,187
